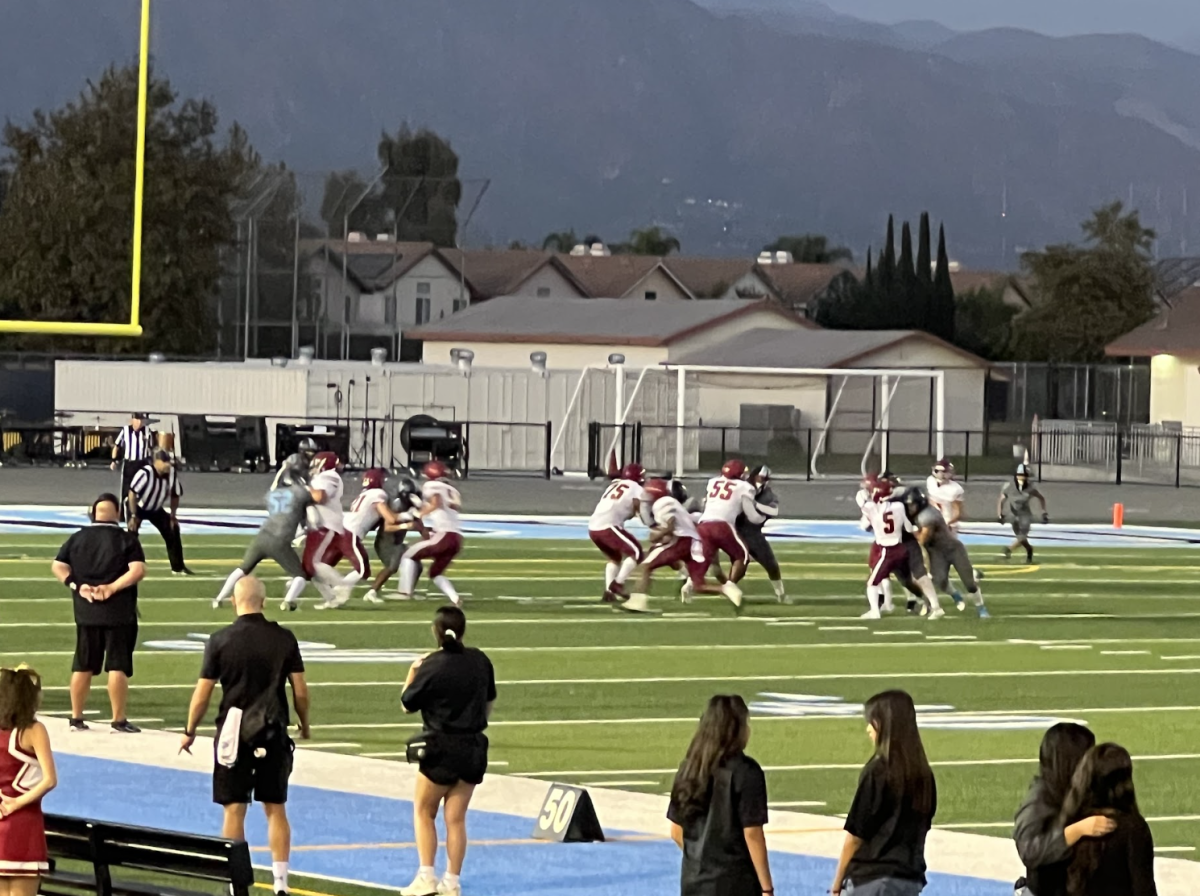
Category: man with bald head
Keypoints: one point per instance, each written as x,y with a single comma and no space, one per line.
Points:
253,660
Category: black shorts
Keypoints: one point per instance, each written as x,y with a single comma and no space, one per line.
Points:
263,778
454,758
107,648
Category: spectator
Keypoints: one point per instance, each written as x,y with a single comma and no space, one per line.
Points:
893,808
1121,864
153,486
26,775
1043,844
101,566
253,659
453,688
719,806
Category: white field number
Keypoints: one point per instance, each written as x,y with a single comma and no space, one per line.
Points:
557,811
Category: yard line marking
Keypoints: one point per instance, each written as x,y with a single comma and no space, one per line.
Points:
1070,647
1008,824
847,766
896,634
842,628
386,755
790,622
953,638
1195,657
630,783
796,804
329,746
1126,653
1174,849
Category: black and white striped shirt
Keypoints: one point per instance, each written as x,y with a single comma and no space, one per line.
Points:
135,444
152,490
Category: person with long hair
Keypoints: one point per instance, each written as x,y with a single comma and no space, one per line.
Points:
1121,864
454,689
26,775
1044,844
893,808
719,807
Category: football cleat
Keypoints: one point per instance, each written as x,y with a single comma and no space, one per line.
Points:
936,614
871,614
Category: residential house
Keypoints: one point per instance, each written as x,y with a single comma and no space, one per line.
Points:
514,272
721,278
1171,341
626,276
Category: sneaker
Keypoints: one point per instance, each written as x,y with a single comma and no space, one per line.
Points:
78,725
1007,555
124,727
445,889
618,591
609,598
399,595
637,603
871,614
182,572
341,595
372,597
688,593
288,607
734,593
422,885
924,609
959,604
983,612
936,614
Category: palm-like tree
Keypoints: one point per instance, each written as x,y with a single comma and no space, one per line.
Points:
562,241
649,241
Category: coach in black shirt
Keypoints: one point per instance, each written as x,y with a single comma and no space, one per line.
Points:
154,489
101,565
253,659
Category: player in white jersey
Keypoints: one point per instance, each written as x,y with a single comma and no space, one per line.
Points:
728,496
439,512
621,502
945,493
370,510
676,544
887,520
325,543
862,498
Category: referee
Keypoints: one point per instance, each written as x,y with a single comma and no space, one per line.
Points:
133,446
101,565
153,486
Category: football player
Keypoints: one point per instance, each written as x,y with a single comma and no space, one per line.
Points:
442,503
887,519
305,452
371,510
916,580
1014,508
404,499
862,498
945,550
728,496
945,494
325,543
621,502
677,545
767,504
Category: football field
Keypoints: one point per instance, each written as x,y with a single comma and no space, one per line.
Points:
590,696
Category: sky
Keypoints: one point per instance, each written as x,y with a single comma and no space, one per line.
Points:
1176,21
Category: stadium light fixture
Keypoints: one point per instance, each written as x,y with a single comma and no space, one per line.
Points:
537,362
133,328
463,358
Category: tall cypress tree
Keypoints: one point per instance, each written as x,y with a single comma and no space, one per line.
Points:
925,273
910,310
886,272
943,292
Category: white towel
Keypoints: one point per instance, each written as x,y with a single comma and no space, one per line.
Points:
229,738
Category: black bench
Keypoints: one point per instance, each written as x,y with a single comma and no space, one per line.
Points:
104,846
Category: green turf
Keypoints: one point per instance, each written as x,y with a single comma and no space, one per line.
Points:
588,695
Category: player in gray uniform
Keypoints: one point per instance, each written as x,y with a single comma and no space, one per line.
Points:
945,550
403,497
917,601
287,505
752,535
301,460
1014,507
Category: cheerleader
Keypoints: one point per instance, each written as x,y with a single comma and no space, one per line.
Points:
26,775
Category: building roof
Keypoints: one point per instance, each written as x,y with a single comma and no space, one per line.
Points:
373,266
712,277
1175,330
588,321
500,272
812,347
798,285
615,275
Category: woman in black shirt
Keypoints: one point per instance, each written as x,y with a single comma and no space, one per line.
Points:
1044,844
1121,864
453,688
719,806
893,809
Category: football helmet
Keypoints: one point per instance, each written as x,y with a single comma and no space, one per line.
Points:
633,472
307,448
881,490
1021,476
325,460
657,488
734,469
374,478
943,470
435,469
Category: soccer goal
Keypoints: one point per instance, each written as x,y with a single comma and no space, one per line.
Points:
133,328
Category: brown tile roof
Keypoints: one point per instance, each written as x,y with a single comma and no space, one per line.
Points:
612,276
373,266
589,321
712,277
799,284
499,272
1175,330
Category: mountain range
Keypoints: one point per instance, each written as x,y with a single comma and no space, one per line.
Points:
728,125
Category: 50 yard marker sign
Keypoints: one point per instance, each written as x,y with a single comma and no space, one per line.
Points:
567,816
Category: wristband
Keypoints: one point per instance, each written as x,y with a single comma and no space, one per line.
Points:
187,733
71,584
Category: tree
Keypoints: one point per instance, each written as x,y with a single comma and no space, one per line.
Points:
912,312
66,227
1090,294
942,308
648,241
810,248
984,323
420,188
886,272
562,241
925,274
346,193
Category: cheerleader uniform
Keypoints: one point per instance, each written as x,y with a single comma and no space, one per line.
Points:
23,833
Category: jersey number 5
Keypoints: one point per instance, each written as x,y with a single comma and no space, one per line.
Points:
616,491
721,490
889,523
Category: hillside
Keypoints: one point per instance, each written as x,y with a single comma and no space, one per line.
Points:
609,116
